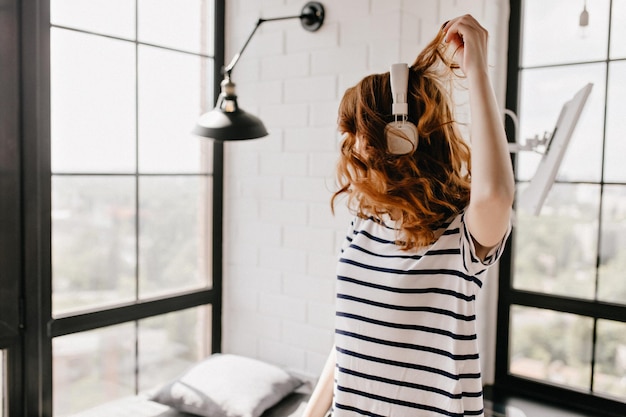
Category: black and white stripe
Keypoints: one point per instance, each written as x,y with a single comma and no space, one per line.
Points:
406,324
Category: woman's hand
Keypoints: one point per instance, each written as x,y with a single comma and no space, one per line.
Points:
469,41
493,186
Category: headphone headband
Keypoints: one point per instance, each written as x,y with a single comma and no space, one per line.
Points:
401,134
399,78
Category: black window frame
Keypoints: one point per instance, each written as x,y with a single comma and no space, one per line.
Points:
505,383
27,326
11,200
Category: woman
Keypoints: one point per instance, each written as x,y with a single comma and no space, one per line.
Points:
427,226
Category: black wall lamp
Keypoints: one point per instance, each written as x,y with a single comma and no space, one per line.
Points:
228,122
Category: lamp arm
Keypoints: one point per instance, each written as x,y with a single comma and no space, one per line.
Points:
312,16
228,69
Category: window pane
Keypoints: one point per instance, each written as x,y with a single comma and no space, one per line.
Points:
618,29
93,367
543,45
186,25
610,368
174,91
175,234
171,343
611,284
109,17
615,124
93,241
550,346
555,252
93,103
542,95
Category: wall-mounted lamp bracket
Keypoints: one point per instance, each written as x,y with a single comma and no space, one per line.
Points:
227,121
311,18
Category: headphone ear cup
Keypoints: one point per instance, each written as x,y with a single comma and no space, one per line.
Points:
402,138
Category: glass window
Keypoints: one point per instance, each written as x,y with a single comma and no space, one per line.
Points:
567,263
550,346
618,29
615,124
610,367
543,44
539,113
171,343
107,17
119,107
132,191
93,103
611,282
98,366
189,16
175,232
555,252
173,91
93,241
93,367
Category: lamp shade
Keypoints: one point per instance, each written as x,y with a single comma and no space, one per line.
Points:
227,121
220,124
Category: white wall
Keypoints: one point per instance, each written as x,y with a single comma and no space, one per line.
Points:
281,240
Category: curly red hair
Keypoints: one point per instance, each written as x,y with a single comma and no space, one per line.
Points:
420,190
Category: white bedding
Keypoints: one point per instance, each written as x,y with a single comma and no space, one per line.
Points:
140,406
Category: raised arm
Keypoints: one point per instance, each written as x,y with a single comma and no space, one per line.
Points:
493,186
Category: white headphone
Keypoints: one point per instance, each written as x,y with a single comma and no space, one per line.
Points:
401,134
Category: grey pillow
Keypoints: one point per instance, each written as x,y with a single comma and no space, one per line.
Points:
228,385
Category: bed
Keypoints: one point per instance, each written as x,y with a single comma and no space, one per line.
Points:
221,385
226,385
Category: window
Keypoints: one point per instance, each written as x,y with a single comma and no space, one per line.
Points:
131,190
96,366
563,297
112,216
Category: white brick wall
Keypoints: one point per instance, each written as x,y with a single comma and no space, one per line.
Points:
280,238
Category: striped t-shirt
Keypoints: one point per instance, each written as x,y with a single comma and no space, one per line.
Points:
406,326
